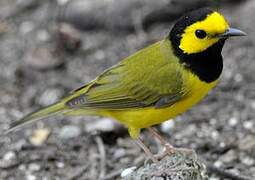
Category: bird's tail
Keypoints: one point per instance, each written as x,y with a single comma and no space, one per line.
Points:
57,108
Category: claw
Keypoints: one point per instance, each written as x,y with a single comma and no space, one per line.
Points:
167,151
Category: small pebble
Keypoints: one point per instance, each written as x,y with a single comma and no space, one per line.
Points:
222,144
215,135
233,121
214,178
213,121
50,96
9,156
119,153
60,165
8,160
104,124
128,171
22,167
69,132
30,177
43,35
218,164
229,157
167,126
248,125
33,167
238,77
234,171
247,143
69,38
26,27
39,136
41,58
247,161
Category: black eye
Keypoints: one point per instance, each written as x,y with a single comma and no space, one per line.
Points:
201,34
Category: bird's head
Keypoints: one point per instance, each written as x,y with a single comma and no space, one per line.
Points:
198,30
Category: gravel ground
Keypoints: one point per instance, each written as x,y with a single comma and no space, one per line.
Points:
48,48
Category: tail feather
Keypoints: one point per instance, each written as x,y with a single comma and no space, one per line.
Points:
37,115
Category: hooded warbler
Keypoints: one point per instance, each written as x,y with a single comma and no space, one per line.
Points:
156,83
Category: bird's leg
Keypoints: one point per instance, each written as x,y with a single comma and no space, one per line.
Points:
146,150
169,149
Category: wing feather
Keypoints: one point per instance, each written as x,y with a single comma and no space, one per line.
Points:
145,79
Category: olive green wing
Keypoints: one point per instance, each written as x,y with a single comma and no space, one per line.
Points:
146,79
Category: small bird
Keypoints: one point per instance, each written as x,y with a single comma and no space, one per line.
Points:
156,83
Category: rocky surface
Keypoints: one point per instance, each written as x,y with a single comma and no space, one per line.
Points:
42,58
181,165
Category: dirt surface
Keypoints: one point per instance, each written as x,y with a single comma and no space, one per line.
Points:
42,58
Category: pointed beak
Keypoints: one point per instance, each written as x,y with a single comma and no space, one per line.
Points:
232,32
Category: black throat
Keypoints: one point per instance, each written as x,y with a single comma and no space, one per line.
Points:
207,65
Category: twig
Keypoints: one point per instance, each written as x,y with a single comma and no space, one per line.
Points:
224,174
101,150
78,173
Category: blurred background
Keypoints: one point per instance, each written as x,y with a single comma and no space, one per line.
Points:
50,47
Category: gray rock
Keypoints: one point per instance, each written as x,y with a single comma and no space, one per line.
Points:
104,125
41,58
120,152
247,143
9,160
167,126
181,165
33,167
9,156
50,96
68,38
30,177
229,157
249,161
69,132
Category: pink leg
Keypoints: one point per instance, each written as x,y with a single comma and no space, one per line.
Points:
146,150
169,149
162,141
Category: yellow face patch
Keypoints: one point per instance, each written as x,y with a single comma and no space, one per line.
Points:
213,25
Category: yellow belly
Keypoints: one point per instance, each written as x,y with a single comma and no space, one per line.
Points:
142,118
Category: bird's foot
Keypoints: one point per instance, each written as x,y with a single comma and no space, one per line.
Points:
170,150
147,151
